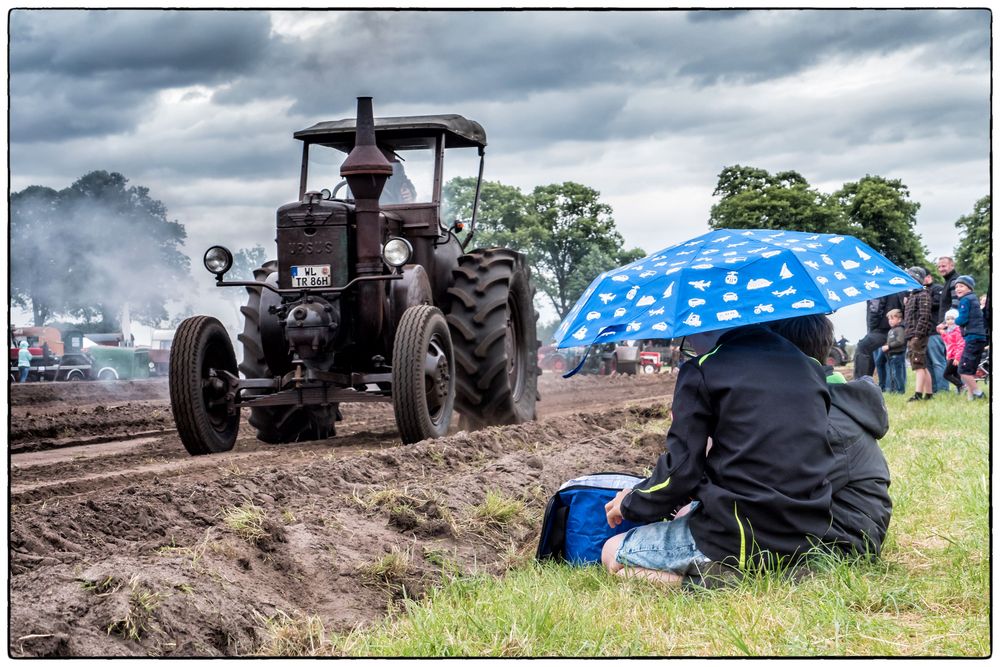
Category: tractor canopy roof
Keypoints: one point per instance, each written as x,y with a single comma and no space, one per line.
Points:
400,132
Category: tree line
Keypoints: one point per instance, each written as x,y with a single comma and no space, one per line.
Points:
84,251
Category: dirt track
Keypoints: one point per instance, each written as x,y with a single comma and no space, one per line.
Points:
120,545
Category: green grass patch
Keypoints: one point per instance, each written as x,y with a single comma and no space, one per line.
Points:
927,596
247,521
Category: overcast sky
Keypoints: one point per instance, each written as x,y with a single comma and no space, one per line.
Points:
646,107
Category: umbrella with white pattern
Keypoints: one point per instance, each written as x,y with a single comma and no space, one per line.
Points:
728,278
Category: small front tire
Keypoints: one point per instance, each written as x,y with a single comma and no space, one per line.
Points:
201,347
423,377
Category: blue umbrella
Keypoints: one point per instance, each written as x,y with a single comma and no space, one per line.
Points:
728,278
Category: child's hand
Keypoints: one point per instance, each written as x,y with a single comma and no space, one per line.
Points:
613,508
885,348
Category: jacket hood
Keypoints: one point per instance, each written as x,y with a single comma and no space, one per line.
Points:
23,344
861,401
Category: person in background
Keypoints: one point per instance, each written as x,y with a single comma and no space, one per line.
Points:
918,325
878,330
894,352
935,346
882,367
859,481
954,347
762,493
946,269
970,319
23,361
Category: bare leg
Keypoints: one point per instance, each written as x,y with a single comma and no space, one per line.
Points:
923,381
656,576
970,384
609,551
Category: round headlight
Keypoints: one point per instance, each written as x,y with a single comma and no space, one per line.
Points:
396,252
218,260
324,193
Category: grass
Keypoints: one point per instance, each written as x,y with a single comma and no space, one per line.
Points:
247,521
136,623
929,594
287,635
387,570
497,510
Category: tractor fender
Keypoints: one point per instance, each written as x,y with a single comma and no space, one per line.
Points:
446,256
272,335
413,290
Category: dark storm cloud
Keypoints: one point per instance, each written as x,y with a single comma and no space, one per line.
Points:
88,73
764,45
464,58
82,73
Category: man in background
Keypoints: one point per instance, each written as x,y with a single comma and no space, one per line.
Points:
935,346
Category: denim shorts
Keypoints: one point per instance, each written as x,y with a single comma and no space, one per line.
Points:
666,545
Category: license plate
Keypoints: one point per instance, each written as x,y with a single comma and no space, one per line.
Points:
311,276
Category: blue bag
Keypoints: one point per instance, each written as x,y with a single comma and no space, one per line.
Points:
575,526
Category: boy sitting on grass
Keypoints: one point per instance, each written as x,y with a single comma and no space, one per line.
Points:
858,419
761,493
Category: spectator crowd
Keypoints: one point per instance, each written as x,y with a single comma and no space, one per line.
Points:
941,329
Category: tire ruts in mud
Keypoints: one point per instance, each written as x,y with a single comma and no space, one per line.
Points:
487,285
279,424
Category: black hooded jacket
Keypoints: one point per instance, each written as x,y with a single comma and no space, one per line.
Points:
763,486
860,477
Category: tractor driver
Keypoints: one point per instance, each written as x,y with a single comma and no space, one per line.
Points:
399,188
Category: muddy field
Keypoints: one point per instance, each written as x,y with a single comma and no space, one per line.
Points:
123,545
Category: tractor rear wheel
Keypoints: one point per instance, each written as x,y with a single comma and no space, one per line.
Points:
201,347
284,423
492,319
423,377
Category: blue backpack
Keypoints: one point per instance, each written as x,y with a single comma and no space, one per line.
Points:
575,526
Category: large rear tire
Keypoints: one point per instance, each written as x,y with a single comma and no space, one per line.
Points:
200,347
423,378
492,319
285,423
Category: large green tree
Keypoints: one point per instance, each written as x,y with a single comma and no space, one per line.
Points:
565,230
502,218
112,243
35,269
972,255
881,214
753,198
573,239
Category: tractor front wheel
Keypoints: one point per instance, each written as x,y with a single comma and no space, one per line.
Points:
200,349
423,378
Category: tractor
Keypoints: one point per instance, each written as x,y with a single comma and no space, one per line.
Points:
372,298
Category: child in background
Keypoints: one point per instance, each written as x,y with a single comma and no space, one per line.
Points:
895,351
970,319
954,345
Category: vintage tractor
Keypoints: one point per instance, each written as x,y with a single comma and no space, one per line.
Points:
372,298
